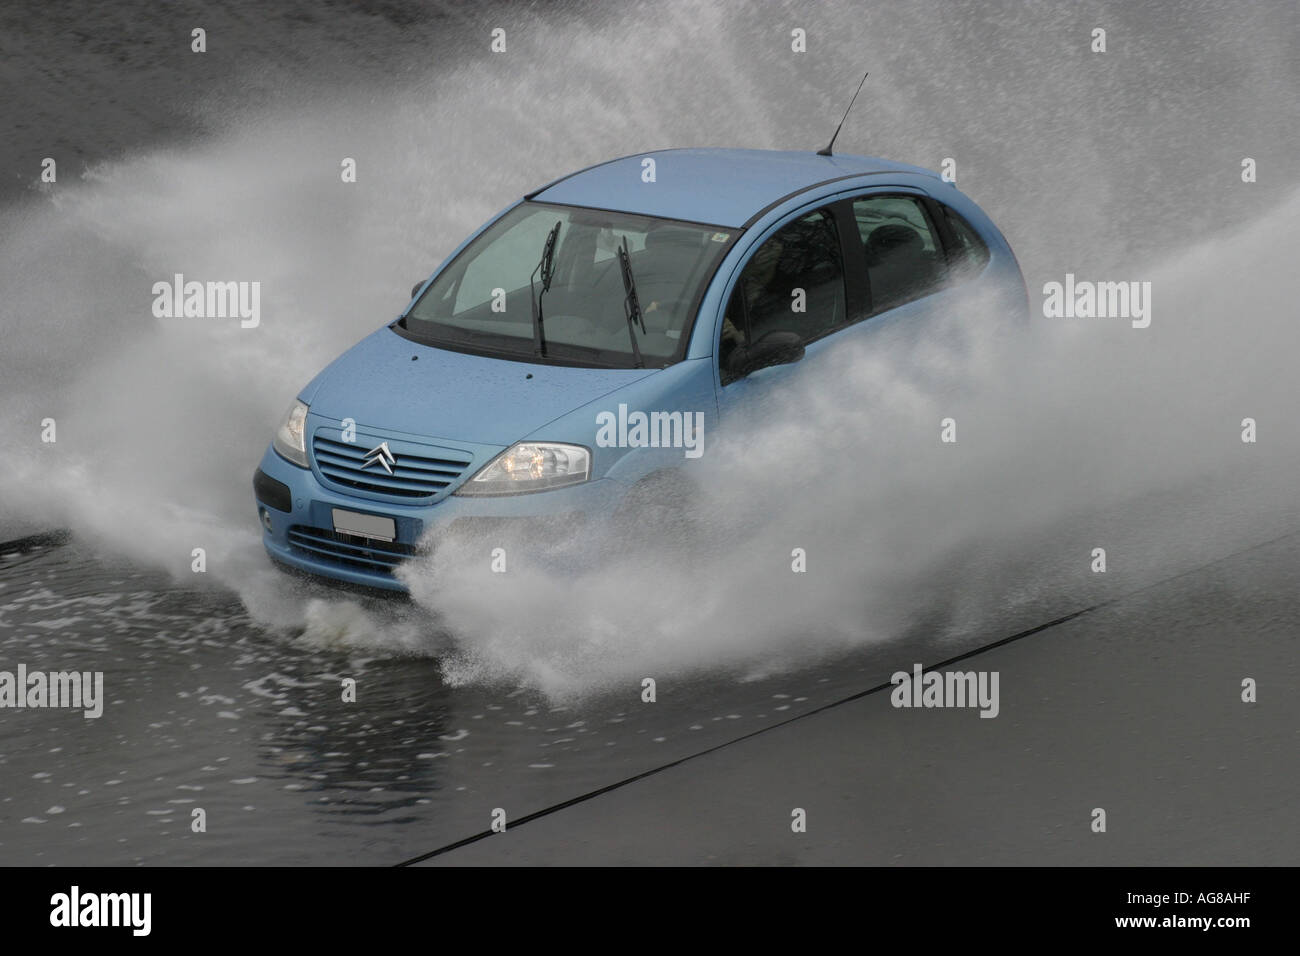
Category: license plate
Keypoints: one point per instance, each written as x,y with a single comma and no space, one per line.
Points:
368,526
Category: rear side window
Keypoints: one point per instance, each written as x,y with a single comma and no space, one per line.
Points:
971,255
905,259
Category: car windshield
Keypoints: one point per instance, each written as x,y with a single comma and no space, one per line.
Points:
483,302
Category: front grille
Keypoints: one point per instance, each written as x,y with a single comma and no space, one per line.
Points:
351,550
421,471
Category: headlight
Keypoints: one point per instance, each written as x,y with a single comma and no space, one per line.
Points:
530,466
290,438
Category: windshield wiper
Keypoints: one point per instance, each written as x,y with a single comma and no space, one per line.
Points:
547,268
631,305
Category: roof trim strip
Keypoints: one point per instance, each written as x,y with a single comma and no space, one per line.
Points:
825,182
578,172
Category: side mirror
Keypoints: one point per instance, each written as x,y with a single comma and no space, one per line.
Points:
775,348
415,289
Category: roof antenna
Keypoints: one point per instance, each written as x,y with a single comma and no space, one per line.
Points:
827,150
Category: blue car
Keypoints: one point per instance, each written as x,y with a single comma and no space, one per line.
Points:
573,354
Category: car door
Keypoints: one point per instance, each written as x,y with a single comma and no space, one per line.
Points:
903,257
801,283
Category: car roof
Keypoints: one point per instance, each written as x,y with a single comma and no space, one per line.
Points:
724,187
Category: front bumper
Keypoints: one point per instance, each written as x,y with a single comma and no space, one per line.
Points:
303,538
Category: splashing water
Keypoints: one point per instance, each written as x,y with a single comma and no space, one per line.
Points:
1073,433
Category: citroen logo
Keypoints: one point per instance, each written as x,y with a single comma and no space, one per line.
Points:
380,455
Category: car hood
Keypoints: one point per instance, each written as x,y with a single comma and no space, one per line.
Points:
386,381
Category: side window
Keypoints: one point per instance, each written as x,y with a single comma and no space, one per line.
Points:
971,253
794,282
905,260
